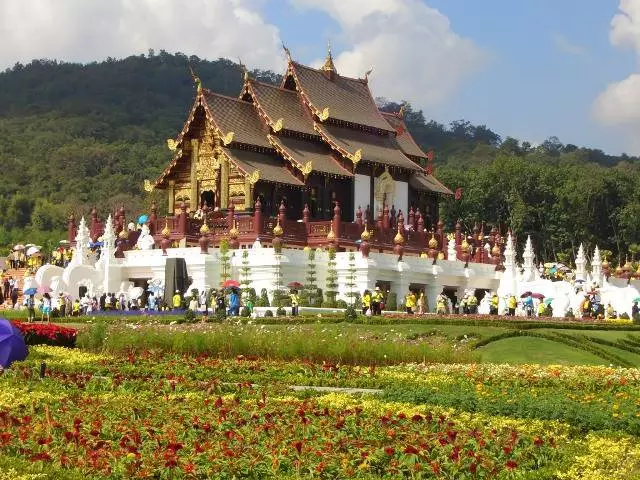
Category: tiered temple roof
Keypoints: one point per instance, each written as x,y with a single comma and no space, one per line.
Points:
315,121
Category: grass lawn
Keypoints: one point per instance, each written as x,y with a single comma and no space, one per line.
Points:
525,350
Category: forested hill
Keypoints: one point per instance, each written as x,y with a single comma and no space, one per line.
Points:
76,135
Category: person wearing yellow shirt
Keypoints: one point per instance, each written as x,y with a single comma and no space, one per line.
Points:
376,300
75,312
410,301
295,301
421,303
542,309
512,304
472,301
441,304
177,300
366,301
493,308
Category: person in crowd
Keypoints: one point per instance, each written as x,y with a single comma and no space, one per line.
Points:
193,304
202,301
586,307
176,301
493,308
103,302
31,308
542,309
410,302
421,304
464,304
62,305
221,303
295,301
75,310
14,297
366,301
152,302
376,301
441,304
635,311
610,312
472,301
528,305
7,288
234,303
512,304
46,307
123,302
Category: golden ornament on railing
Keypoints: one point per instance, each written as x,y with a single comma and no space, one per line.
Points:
627,266
366,234
233,233
398,239
124,234
605,263
204,229
433,243
441,256
277,230
165,231
495,251
464,246
331,236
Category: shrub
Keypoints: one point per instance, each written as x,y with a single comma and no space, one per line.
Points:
190,316
624,316
268,313
341,304
392,301
281,312
263,301
636,319
317,299
350,314
245,312
47,334
221,315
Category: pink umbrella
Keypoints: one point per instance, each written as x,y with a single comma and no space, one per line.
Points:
43,289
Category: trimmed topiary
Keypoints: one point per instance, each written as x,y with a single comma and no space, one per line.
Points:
350,314
268,313
281,312
245,312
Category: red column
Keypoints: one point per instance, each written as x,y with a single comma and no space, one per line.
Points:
257,217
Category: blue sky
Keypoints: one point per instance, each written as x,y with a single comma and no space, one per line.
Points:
525,68
548,61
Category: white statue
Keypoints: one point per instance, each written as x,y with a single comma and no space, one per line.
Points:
145,240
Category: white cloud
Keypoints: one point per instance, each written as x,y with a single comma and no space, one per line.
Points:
564,45
81,30
619,105
414,53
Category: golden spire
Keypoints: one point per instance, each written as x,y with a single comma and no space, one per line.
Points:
196,79
366,234
286,51
464,246
328,63
277,230
433,243
331,236
165,231
233,233
398,239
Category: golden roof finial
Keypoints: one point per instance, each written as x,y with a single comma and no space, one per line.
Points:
196,79
399,238
366,75
286,51
433,243
403,110
366,234
328,63
243,67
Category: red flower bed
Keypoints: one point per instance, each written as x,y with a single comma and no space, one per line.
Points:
47,334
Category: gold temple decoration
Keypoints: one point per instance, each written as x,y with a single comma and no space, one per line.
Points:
328,63
172,144
306,169
165,231
148,186
403,110
286,51
433,243
331,236
324,114
196,79
464,246
233,233
451,236
441,256
366,74
278,125
204,229
356,157
277,230
495,251
366,234
254,177
228,138
398,239
124,234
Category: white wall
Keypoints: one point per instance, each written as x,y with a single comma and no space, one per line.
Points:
362,192
401,198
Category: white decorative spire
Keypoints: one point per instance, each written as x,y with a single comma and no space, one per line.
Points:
509,255
109,236
106,253
82,243
581,262
528,265
596,267
508,284
451,250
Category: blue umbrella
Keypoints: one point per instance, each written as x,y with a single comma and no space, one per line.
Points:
12,346
143,219
31,291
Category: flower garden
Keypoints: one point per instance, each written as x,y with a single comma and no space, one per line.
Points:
188,403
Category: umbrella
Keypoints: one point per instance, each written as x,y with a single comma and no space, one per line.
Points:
143,219
64,242
31,291
539,296
548,300
43,289
580,280
525,294
549,264
231,283
136,292
30,245
19,247
31,250
637,299
295,285
12,346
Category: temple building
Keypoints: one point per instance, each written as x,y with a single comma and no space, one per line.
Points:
318,140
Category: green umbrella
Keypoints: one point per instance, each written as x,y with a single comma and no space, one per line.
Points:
548,301
637,299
